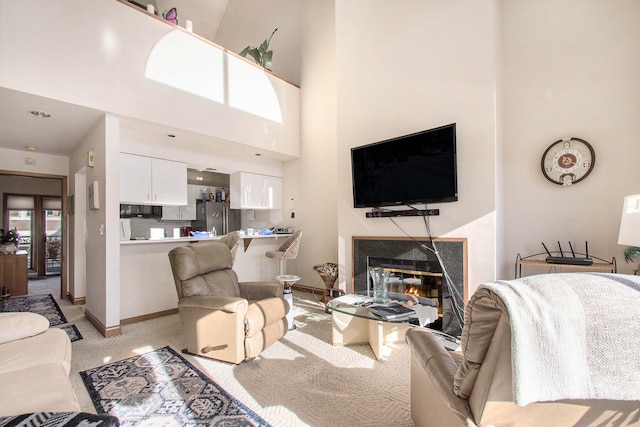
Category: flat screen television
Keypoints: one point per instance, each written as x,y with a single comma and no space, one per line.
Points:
410,169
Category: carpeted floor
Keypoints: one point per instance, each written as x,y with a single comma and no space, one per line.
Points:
45,304
161,387
302,380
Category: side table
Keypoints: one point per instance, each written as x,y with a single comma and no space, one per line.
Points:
13,273
602,266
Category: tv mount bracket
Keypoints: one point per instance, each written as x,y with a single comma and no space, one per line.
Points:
377,213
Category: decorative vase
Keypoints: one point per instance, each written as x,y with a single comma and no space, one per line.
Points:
329,281
8,248
379,284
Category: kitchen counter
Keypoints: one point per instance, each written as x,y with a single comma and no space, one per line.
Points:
246,239
145,271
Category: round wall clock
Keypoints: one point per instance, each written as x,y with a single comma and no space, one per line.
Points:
568,161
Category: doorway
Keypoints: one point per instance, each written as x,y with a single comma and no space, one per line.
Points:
38,221
35,205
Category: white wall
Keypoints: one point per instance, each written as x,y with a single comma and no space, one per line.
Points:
408,66
102,247
311,181
570,69
195,155
100,61
13,160
304,53
205,15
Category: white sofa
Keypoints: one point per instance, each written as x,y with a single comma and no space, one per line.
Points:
34,366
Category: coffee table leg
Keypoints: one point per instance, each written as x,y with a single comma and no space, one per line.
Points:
376,338
347,329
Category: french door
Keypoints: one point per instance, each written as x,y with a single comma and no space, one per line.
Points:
38,220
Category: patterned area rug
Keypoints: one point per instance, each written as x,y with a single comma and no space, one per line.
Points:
73,332
45,305
162,388
58,419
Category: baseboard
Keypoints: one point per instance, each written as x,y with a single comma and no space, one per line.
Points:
105,331
74,301
148,316
310,289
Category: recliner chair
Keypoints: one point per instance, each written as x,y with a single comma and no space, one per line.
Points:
480,385
232,240
223,319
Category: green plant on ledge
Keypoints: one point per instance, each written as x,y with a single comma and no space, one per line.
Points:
262,55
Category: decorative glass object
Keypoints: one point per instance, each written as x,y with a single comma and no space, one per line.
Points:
379,284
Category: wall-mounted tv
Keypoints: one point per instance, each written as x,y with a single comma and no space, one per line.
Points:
410,169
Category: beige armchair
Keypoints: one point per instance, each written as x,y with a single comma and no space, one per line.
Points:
221,318
540,341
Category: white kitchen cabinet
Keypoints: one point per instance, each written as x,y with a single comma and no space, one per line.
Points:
145,180
186,212
135,178
255,191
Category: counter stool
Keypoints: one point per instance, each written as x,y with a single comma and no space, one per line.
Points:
287,281
287,250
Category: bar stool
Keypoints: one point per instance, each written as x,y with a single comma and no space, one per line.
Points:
287,250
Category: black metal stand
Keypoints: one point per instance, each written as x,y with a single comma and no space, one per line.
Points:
411,212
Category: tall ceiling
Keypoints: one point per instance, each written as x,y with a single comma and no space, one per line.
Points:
68,124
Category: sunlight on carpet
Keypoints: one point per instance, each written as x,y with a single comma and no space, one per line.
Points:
301,380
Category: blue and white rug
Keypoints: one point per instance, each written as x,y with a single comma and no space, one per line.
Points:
163,388
73,332
45,305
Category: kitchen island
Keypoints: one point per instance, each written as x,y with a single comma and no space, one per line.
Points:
147,289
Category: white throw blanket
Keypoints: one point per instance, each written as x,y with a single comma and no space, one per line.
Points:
574,336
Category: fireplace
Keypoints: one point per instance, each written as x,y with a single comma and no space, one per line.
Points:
414,268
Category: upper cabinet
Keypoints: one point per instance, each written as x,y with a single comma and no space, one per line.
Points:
255,191
148,181
186,212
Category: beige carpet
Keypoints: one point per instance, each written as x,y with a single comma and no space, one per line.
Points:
302,380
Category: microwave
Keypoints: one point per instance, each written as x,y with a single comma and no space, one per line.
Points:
140,211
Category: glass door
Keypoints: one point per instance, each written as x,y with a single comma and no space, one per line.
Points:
21,218
38,220
52,214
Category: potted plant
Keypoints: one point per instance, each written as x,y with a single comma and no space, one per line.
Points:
328,273
630,254
9,241
262,55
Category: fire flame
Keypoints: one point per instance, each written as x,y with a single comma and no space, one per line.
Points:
414,290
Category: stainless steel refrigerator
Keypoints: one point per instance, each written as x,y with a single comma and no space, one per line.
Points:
218,215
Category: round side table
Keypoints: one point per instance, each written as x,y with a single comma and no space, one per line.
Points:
287,280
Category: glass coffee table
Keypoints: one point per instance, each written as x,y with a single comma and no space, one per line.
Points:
354,324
